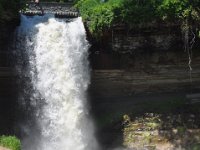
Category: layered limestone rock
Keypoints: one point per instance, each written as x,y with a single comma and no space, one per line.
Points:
157,72
142,72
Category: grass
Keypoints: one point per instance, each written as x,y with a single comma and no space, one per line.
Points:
10,142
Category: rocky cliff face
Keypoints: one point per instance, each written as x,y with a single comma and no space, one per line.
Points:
7,84
143,60
149,37
138,72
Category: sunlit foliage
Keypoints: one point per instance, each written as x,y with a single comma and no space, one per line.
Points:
101,15
10,142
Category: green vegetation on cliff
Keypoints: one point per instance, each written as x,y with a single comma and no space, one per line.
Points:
101,15
10,142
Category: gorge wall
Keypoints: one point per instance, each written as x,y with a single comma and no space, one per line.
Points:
136,72
146,59
7,81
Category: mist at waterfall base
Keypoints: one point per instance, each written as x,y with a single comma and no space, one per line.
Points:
53,73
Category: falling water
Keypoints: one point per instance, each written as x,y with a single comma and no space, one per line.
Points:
54,76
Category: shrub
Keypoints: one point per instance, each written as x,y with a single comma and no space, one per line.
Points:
10,142
102,15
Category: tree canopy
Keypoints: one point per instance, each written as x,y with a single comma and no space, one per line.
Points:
101,15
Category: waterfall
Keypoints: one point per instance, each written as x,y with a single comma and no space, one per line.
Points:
54,75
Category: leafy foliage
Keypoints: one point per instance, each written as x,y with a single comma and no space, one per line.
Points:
179,8
102,15
10,142
135,11
99,15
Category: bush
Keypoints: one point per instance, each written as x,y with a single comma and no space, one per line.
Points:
10,142
102,15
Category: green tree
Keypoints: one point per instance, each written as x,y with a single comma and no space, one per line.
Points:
102,15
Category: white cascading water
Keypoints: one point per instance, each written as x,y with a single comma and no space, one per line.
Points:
53,62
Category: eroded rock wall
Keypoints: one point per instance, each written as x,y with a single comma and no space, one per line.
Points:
143,61
141,72
7,81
